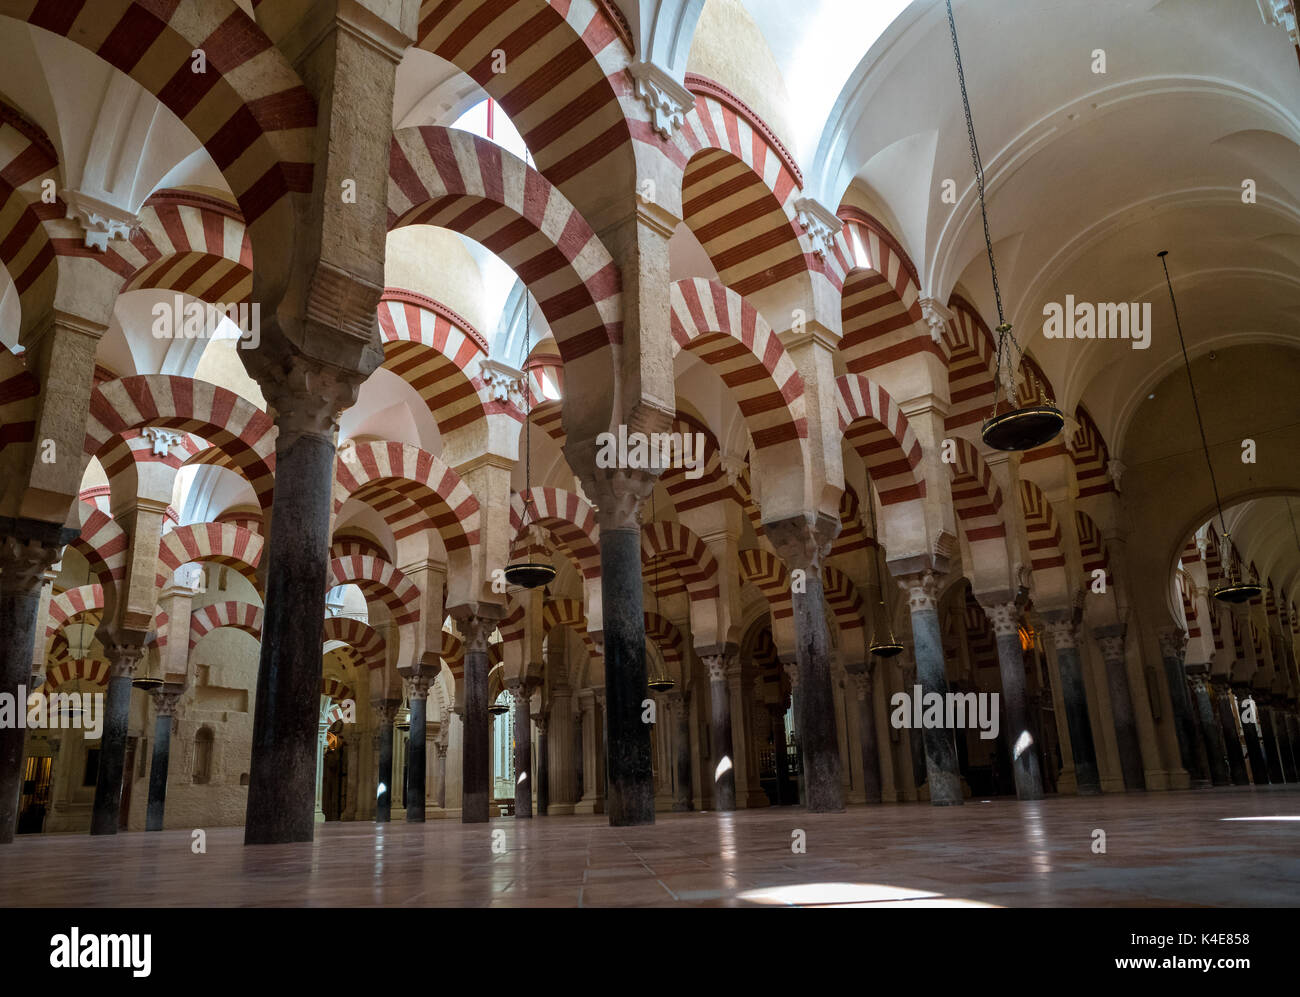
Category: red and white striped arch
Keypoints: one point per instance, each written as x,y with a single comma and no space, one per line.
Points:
456,180
880,310
687,558
879,431
844,600
665,635
712,484
1042,528
568,518
93,671
568,613
411,488
764,570
191,244
27,248
217,543
1091,456
104,545
378,580
976,497
971,354
853,538
545,411
19,391
725,331
243,616
361,637
1092,546
438,353
347,545
71,603
576,132
1033,388
244,432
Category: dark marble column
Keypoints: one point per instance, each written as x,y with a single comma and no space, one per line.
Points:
543,765
28,548
306,397
1234,742
792,676
476,754
440,765
1064,633
679,703
1292,731
165,702
630,794
1111,641
784,791
1276,770
803,543
1020,736
723,760
1248,708
862,678
1173,649
942,770
123,659
417,762
523,757
1208,725
385,714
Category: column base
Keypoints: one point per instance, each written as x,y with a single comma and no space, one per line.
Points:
586,806
753,799
560,809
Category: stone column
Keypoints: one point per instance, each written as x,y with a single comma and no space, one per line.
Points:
476,753
593,783
165,701
1111,641
1234,741
322,739
1248,710
1173,648
780,757
679,703
1020,736
523,758
803,544
306,397
543,765
1292,730
942,771
28,548
1276,771
792,674
1211,734
562,781
123,659
1064,634
724,761
440,766
630,767
385,714
863,679
417,697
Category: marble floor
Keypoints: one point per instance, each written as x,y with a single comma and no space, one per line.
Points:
1226,847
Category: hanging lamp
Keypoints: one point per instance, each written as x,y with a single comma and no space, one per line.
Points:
662,682
1011,428
498,708
890,648
1234,590
529,573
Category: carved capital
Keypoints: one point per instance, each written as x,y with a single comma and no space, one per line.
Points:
166,701
503,383
1111,641
1197,682
937,316
819,222
474,630
99,220
24,563
417,685
620,495
716,665
803,542
922,591
1062,629
307,397
1173,643
1004,618
123,659
666,99
861,682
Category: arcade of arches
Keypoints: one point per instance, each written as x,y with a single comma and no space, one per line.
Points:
313,315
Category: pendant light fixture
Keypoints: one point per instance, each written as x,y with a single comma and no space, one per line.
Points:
529,573
145,682
663,681
890,648
1013,428
1234,590
498,708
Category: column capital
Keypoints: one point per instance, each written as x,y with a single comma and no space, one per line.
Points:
1111,641
803,542
922,590
1061,627
540,720
1173,643
167,699
861,682
620,495
476,626
667,100
28,549
385,710
123,659
417,685
1004,618
307,396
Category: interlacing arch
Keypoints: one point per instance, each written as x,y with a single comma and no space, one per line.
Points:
1044,532
220,543
880,310
411,489
971,356
738,193
243,431
242,616
879,431
378,579
577,133
438,354
191,244
686,557
368,643
726,332
976,497
764,570
456,180
567,517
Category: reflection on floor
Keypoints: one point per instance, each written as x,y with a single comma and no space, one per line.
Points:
1229,847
